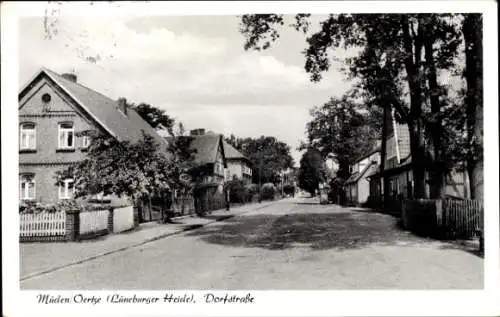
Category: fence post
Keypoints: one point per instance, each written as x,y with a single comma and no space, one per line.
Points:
72,224
481,241
136,215
110,220
404,214
439,212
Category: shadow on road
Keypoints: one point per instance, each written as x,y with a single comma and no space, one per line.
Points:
315,230
307,203
467,246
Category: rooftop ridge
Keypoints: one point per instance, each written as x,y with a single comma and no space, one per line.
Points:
81,85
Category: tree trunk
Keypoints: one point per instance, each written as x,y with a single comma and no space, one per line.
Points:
413,50
418,160
438,170
150,208
472,30
383,155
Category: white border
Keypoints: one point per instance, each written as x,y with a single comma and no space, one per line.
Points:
289,303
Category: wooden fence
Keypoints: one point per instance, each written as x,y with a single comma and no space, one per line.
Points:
73,225
43,224
452,219
95,221
123,219
462,218
183,206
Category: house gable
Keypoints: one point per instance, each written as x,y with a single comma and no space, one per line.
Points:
46,116
61,103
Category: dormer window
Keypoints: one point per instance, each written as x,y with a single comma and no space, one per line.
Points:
27,137
66,135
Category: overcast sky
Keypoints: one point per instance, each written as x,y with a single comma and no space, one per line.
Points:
194,67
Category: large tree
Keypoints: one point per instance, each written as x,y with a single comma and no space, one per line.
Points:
269,156
398,59
341,128
312,171
472,29
122,168
155,117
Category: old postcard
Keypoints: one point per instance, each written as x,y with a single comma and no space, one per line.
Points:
188,158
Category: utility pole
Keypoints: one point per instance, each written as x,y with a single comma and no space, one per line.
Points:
282,183
260,175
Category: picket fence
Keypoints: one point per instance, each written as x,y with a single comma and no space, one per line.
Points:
43,224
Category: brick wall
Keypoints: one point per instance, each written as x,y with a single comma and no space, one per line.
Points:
46,159
61,110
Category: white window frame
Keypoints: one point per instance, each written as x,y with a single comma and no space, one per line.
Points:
62,130
85,141
23,131
24,195
64,192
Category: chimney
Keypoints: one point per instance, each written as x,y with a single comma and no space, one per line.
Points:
122,105
69,76
197,132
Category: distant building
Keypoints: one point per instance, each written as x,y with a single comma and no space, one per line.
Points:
357,186
238,165
53,111
209,156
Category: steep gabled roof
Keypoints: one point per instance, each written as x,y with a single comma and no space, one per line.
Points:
367,154
206,147
368,169
405,164
104,110
233,154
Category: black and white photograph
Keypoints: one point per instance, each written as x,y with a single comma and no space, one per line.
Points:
250,150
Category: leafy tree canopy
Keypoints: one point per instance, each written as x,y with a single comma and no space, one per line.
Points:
156,117
122,168
397,62
312,170
269,156
341,129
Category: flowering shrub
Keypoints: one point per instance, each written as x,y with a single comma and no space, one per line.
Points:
34,207
30,207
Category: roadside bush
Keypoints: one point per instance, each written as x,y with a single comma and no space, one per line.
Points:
251,190
289,189
268,191
207,198
237,191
